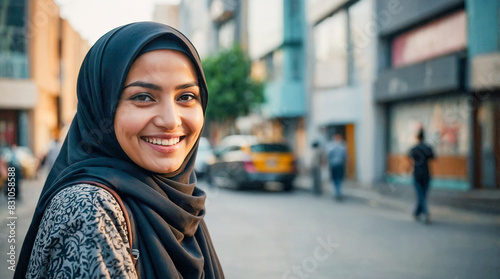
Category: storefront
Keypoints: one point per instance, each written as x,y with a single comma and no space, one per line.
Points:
8,127
446,122
18,97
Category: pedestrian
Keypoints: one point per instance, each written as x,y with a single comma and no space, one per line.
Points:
4,174
337,159
121,200
14,163
421,153
316,165
52,151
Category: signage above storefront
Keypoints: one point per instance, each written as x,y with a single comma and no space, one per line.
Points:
437,38
430,77
18,94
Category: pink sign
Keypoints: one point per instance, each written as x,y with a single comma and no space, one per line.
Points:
440,37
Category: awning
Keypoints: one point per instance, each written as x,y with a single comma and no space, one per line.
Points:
18,94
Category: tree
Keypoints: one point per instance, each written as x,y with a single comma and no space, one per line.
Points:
232,91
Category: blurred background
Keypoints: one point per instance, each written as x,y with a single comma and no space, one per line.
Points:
291,73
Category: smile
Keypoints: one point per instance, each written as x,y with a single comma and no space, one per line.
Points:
164,142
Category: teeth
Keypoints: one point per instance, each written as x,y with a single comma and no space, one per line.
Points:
165,142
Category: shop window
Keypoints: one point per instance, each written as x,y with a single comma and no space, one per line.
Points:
446,124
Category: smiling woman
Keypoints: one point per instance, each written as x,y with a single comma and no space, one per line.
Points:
121,199
159,116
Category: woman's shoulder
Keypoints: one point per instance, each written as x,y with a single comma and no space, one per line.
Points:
87,203
82,191
83,231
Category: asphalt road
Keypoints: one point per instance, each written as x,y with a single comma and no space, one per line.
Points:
267,234
270,234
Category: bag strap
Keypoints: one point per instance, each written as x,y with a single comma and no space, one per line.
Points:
134,252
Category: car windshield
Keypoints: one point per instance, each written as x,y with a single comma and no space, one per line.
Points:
270,147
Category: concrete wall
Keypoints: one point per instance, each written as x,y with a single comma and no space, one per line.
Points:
44,61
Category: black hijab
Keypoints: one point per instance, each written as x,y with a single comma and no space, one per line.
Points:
166,210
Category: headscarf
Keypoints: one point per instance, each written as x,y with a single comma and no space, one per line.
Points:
166,210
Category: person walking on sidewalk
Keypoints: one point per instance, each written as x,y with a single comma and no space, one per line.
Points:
421,154
337,158
317,162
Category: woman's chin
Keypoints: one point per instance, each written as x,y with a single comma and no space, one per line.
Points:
162,169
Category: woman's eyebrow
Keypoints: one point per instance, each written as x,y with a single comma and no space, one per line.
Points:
145,85
186,85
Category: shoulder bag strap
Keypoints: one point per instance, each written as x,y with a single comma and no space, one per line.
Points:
134,252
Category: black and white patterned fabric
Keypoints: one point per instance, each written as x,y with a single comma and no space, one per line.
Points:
83,234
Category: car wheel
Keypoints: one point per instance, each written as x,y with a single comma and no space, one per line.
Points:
288,186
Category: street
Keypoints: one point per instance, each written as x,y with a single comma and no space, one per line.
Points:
270,234
265,234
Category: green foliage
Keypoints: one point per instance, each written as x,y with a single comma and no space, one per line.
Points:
232,91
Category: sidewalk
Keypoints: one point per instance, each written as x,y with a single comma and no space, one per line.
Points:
484,202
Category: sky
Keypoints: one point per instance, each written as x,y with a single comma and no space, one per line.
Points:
93,18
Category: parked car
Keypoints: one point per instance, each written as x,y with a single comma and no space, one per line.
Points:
251,164
25,158
204,157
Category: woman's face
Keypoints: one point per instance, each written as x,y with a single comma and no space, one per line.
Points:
159,116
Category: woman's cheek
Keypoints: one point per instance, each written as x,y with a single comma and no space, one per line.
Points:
200,121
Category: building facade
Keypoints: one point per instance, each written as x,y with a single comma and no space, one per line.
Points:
484,61
40,56
18,93
374,71
342,66
433,75
277,45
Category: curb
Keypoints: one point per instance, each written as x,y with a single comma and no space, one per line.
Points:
444,204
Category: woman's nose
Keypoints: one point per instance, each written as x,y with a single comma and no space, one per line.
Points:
167,116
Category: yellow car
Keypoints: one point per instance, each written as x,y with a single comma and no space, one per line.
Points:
251,165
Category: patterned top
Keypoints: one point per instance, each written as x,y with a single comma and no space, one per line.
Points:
83,234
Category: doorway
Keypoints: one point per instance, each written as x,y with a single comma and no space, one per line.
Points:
487,147
8,127
347,132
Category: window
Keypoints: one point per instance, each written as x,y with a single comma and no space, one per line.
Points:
361,33
13,58
330,38
226,34
342,42
274,65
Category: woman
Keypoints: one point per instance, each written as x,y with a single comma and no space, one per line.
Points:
121,199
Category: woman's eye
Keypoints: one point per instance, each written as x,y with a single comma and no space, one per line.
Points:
142,97
187,97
